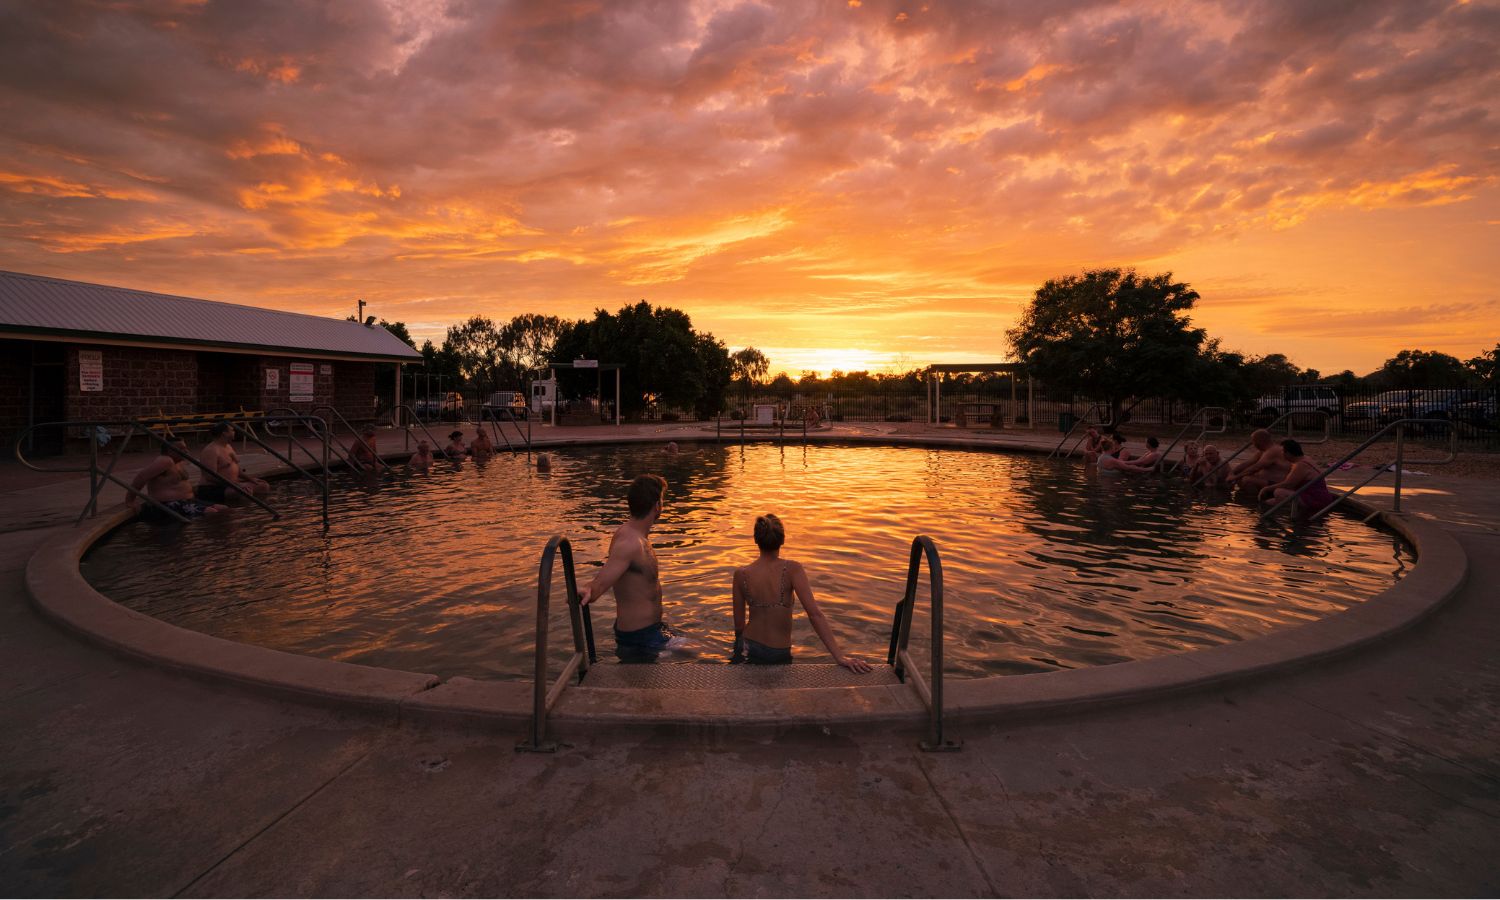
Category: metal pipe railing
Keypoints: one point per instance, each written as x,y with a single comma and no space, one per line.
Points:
543,697
898,656
1081,420
148,428
524,439
346,452
1400,426
97,479
413,417
1201,411
283,415
315,426
1287,417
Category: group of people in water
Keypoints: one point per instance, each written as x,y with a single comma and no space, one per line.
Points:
763,591
1274,472
168,479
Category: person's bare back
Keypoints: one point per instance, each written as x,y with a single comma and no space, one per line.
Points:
634,575
638,587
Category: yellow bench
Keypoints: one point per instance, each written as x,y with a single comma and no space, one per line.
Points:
188,423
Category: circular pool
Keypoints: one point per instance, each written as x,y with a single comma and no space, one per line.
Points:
1048,566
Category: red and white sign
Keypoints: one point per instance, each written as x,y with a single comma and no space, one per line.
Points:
91,370
300,384
273,379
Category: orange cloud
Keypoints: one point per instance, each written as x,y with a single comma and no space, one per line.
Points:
893,181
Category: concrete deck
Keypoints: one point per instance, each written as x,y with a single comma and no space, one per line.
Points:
1374,774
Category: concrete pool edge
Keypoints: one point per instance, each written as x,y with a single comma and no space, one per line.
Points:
60,592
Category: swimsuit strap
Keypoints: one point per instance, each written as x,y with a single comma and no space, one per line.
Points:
782,600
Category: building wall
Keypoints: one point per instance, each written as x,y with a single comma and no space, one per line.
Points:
15,360
346,386
138,382
354,389
142,382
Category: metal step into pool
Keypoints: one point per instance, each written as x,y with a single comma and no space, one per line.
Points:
724,677
719,694
710,694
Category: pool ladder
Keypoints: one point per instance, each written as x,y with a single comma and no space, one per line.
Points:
1398,466
545,694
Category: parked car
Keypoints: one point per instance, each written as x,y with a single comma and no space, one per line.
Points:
449,406
507,404
1367,412
1431,404
1300,398
1483,413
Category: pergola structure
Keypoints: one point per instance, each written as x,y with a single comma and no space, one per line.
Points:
594,364
935,391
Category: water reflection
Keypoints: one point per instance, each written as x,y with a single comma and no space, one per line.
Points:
1046,567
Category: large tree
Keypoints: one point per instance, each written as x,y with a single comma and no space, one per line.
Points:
480,353
662,357
1109,334
749,366
717,368
1423,369
528,340
1486,367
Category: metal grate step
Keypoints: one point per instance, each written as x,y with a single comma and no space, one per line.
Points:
724,677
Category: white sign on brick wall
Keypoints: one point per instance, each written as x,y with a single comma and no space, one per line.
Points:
300,384
273,379
91,370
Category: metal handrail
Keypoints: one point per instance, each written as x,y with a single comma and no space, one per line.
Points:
285,414
900,659
148,427
1201,411
396,423
348,456
1081,420
523,438
1397,466
1284,417
316,426
543,698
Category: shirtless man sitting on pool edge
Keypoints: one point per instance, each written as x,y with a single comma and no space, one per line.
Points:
218,456
165,482
633,573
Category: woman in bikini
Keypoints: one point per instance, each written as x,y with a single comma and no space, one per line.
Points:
763,594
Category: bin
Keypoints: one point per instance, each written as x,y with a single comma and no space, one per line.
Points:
1066,421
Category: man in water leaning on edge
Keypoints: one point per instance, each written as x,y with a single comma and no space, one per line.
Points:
632,571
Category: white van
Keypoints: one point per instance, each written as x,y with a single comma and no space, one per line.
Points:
1300,398
543,395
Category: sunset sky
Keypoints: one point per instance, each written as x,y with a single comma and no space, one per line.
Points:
844,185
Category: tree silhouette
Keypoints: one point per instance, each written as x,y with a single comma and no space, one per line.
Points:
1110,334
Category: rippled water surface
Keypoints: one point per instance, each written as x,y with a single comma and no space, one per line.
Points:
1046,566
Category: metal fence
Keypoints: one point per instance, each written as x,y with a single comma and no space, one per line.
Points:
1352,414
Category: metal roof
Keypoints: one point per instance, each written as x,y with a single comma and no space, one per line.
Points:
33,305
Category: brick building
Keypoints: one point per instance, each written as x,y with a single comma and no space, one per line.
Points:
71,351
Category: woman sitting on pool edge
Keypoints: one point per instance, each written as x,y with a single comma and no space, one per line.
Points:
763,604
